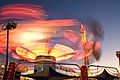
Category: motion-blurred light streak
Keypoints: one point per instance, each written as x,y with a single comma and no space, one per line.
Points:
22,11
65,39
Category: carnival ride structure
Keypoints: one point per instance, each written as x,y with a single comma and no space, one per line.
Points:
62,41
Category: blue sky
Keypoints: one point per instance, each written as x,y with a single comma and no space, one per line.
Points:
107,12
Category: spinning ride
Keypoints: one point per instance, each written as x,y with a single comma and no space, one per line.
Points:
67,40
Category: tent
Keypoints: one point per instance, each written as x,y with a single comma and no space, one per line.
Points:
105,76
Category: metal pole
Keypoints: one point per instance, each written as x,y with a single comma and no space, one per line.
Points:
7,47
86,60
8,26
84,42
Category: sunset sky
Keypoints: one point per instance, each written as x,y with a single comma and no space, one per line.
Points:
107,12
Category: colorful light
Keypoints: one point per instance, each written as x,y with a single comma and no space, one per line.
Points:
34,36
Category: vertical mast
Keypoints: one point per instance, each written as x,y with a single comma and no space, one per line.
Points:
84,42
